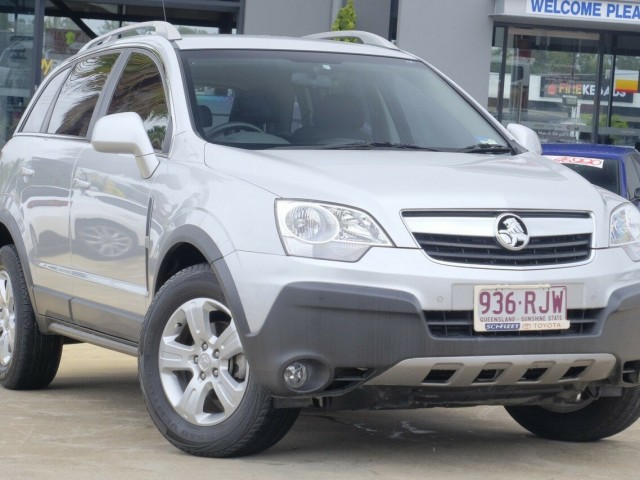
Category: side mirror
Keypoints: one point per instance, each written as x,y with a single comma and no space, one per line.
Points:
525,137
125,133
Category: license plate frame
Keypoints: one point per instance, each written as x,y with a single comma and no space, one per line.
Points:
519,308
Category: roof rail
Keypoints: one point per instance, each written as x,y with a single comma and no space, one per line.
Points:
164,29
367,38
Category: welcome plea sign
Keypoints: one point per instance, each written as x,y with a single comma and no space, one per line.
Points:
586,9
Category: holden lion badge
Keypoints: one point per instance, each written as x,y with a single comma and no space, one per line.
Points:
511,232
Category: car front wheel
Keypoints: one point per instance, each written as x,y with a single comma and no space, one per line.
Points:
195,379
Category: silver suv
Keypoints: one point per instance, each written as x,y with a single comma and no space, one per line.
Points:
272,224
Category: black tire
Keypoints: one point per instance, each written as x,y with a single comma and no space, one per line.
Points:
29,360
599,419
211,426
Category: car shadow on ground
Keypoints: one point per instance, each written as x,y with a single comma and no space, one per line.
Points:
485,433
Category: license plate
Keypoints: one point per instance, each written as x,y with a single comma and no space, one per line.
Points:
519,308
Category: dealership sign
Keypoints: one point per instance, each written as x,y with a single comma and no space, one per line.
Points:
558,86
586,9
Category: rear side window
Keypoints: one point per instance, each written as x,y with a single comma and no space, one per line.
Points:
140,90
40,109
79,95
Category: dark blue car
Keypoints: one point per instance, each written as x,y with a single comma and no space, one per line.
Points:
614,168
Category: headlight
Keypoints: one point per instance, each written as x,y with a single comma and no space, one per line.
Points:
625,230
325,231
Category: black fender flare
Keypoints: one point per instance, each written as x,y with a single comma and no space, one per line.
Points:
15,231
197,237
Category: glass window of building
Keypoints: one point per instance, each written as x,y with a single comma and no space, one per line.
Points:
62,39
619,120
16,64
569,86
548,82
31,45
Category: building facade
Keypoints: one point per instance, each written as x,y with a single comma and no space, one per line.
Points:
567,68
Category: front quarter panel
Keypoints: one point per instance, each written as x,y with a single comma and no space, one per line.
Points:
215,213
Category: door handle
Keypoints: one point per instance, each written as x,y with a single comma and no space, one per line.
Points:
82,184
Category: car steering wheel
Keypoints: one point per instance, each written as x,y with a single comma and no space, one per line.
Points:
225,129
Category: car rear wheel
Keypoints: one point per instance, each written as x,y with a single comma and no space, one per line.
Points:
598,418
195,379
28,359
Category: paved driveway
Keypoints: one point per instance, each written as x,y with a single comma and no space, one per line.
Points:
92,424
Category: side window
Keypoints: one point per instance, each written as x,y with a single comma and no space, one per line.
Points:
44,101
633,177
79,95
140,90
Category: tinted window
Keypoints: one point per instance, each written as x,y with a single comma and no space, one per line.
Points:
140,90
633,177
604,174
40,109
214,106
79,95
290,99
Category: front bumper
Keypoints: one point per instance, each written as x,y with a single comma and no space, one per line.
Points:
351,323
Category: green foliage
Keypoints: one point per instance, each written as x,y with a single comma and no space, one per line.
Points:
184,30
107,26
345,19
616,120
59,23
567,63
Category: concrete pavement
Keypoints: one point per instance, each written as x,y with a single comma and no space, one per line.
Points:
92,424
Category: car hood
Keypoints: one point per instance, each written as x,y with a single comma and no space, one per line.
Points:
385,182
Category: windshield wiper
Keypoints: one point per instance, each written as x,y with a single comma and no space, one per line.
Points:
374,145
486,148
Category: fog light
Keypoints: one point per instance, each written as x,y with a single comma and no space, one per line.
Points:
295,375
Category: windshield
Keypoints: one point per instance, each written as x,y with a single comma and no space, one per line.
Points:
283,99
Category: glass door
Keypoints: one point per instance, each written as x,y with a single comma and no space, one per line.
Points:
550,82
16,64
619,119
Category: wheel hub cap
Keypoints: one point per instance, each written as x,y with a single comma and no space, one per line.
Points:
201,362
205,362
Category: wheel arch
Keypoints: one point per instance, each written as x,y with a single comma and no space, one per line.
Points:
188,246
10,234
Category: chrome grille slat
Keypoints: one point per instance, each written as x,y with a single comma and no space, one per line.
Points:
533,257
487,251
556,238
491,214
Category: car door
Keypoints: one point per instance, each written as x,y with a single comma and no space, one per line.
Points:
54,135
110,209
43,193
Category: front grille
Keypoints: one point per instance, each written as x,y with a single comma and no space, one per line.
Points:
459,324
473,250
